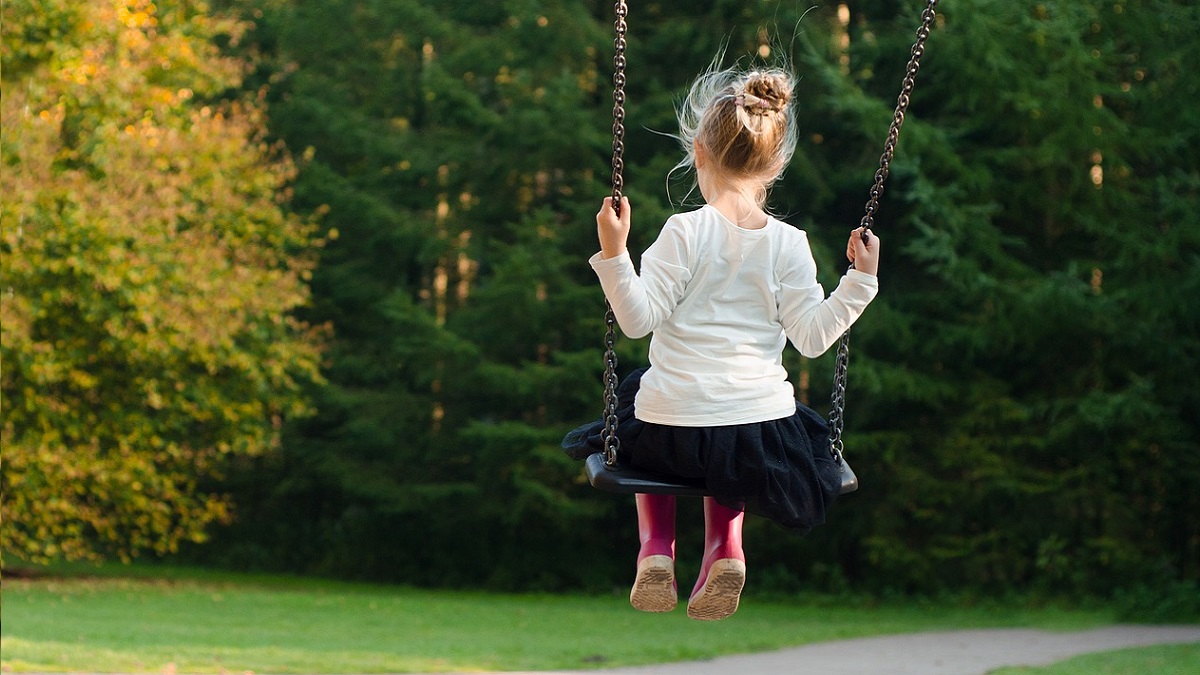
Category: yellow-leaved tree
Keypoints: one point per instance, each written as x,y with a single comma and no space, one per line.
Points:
149,276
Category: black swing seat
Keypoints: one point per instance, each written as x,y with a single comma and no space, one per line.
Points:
624,479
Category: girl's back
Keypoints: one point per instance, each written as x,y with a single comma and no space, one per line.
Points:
717,298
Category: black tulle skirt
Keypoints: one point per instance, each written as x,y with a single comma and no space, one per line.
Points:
780,469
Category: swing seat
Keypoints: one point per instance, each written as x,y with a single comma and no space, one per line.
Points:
624,479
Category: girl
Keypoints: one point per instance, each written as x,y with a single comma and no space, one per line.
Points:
722,289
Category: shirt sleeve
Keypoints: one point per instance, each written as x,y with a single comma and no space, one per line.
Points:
642,302
812,321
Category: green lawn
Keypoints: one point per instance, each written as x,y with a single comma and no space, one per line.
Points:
1164,660
204,622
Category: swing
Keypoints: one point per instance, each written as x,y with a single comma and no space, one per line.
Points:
603,470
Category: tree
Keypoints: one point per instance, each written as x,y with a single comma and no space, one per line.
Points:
435,136
1020,376
149,273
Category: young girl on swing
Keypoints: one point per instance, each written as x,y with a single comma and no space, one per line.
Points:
722,289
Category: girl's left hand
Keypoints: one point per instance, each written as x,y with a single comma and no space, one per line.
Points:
865,256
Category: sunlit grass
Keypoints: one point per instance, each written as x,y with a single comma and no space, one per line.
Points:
202,622
1160,660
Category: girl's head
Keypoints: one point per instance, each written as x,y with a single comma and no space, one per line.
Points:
742,123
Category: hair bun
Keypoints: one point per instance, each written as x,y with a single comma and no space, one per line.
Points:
764,92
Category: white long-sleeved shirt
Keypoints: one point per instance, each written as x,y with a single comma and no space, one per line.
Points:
721,302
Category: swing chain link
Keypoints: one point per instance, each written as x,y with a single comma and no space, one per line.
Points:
893,136
838,407
618,146
611,442
842,364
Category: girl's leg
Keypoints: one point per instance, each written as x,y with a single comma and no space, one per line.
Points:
654,588
723,571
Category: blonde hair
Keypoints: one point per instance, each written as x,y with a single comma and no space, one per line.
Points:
745,123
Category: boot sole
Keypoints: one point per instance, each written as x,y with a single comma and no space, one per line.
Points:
654,586
718,597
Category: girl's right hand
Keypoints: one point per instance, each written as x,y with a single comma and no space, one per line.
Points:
865,256
613,230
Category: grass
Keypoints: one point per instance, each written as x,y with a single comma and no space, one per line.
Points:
1164,660
201,622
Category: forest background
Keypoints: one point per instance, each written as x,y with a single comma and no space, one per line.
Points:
301,285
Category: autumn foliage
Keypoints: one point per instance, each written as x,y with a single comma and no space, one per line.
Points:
148,273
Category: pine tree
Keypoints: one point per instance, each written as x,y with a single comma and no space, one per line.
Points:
1022,427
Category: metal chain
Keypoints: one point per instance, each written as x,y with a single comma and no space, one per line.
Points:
611,442
841,366
906,88
618,146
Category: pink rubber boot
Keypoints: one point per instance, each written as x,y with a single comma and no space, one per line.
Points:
654,587
723,572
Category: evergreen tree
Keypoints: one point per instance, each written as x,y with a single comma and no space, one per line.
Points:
1023,425
453,149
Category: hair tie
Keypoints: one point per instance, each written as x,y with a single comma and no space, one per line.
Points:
752,104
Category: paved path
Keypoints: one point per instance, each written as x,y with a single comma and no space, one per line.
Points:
968,652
